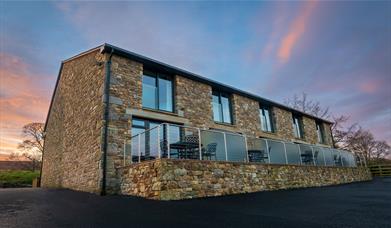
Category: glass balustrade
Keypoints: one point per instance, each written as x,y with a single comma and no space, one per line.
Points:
182,142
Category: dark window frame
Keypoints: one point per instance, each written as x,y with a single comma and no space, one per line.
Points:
300,127
157,75
319,125
262,109
220,94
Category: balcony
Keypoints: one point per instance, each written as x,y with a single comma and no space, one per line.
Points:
182,142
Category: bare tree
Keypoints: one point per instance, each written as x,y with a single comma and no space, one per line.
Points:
302,103
32,146
352,137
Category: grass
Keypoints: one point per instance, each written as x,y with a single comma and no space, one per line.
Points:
17,178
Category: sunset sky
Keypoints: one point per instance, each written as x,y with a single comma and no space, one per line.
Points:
339,53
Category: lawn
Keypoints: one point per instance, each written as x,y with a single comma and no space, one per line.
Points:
17,178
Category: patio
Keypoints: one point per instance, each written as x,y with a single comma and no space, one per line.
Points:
182,142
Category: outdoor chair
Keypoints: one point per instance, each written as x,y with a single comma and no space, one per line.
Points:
307,158
164,150
210,151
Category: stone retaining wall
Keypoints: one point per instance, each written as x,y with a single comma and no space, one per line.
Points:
166,179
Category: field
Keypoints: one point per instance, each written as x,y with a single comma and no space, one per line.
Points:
17,178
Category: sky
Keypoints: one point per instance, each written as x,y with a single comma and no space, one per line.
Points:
339,53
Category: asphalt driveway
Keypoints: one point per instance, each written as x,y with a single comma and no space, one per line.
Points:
365,204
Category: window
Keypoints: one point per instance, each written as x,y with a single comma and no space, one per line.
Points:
221,107
297,126
320,132
266,119
157,91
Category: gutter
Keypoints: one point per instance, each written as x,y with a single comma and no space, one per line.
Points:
106,119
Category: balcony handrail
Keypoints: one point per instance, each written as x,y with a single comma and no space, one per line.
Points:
149,129
246,138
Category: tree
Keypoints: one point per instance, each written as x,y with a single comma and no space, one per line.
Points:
353,138
32,146
302,103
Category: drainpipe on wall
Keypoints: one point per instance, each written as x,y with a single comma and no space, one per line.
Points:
106,119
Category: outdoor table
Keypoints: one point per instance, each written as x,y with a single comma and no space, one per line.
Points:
307,158
257,155
188,148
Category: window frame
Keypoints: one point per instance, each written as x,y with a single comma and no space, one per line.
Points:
300,127
262,109
157,76
320,132
220,94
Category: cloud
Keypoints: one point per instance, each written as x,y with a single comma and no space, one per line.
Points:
23,99
296,30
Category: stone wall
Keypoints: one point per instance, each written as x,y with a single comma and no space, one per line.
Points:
185,179
72,149
125,93
283,123
246,115
194,100
309,128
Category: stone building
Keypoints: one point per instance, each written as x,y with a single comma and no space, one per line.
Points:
107,96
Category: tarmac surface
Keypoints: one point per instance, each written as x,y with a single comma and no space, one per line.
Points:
366,204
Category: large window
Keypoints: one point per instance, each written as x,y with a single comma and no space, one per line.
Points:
266,119
221,107
297,126
157,91
320,132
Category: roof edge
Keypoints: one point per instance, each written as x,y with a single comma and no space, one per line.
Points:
108,48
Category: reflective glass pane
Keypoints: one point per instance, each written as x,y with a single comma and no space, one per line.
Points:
306,155
276,152
263,120
217,113
134,149
149,92
257,150
318,156
268,121
152,142
226,109
292,153
236,148
328,156
165,95
212,145
171,136
336,157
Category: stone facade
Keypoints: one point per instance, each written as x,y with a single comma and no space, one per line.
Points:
73,144
309,128
283,123
125,93
72,149
185,179
194,100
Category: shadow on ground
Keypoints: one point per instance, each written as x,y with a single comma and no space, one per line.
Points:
366,204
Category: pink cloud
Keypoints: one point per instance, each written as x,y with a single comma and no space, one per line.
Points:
370,86
23,99
296,30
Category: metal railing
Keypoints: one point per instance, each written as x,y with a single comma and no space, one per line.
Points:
183,142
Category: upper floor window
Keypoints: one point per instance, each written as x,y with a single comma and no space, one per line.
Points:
157,91
320,132
297,126
221,103
266,119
